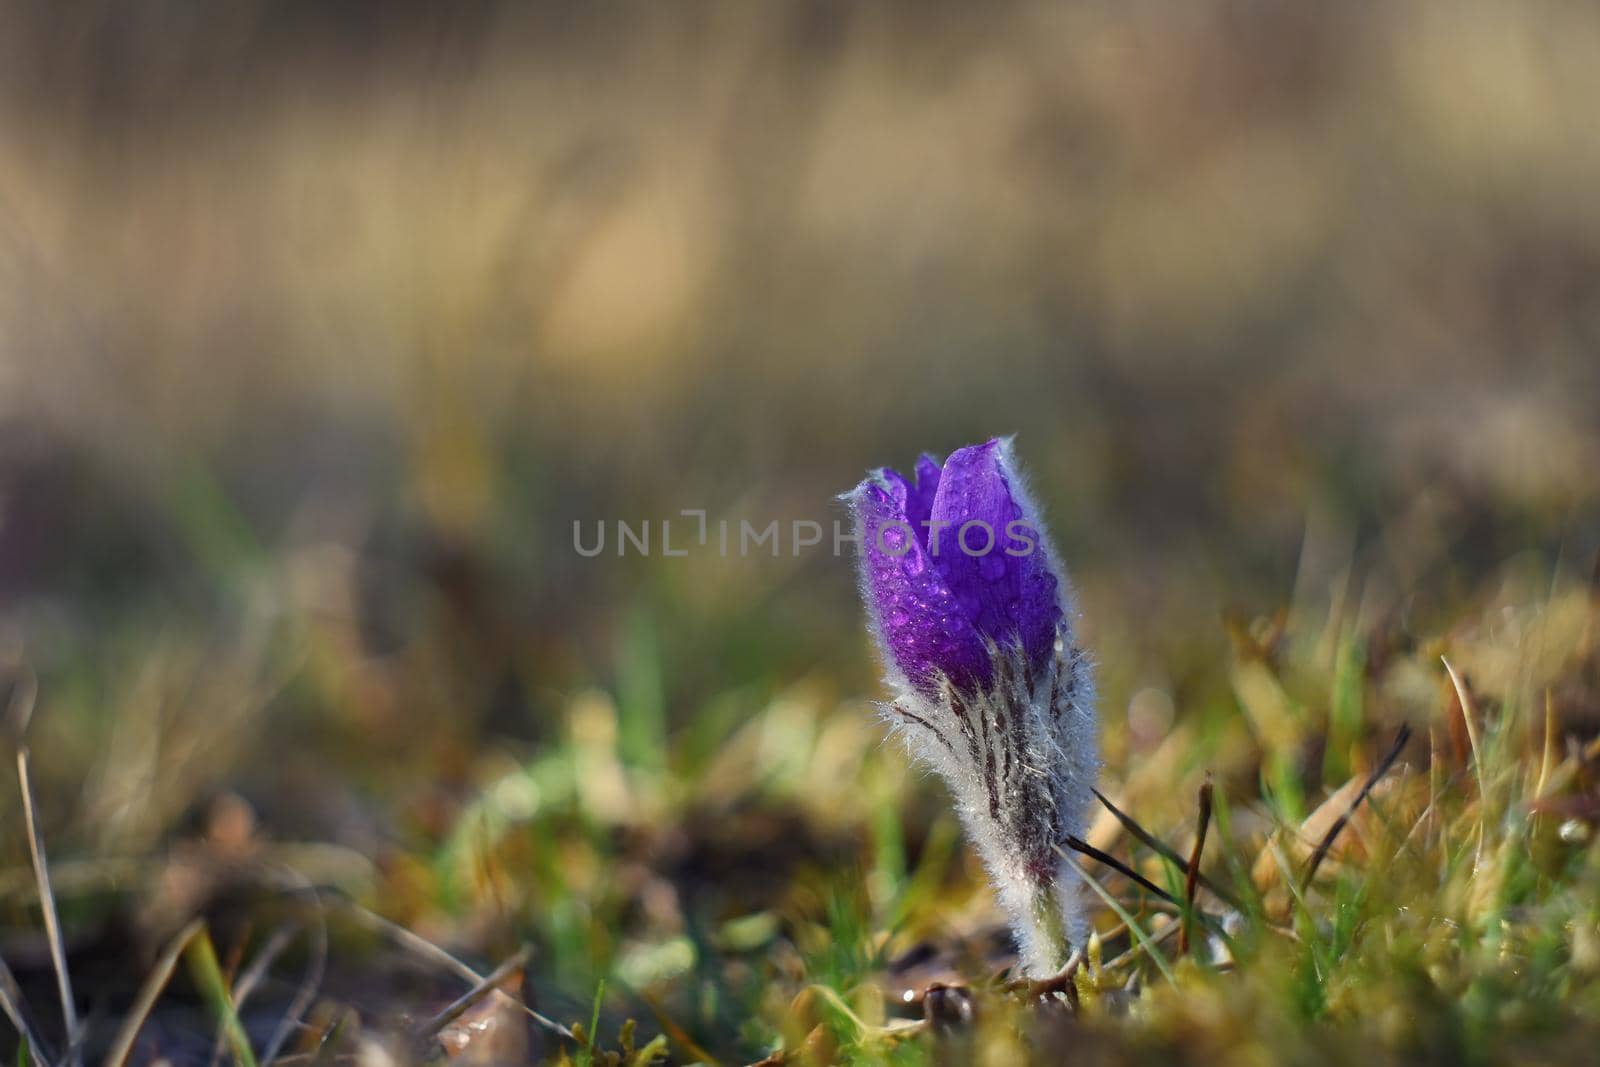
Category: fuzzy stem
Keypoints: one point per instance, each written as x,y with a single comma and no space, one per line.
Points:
1047,917
1050,934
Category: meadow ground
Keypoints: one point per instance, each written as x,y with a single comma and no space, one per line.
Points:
322,326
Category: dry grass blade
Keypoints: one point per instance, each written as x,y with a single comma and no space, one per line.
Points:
149,993
253,974
1343,820
1547,756
1192,876
685,1040
1139,948
1469,717
489,984
19,709
428,950
1149,840
16,1010
47,904
308,986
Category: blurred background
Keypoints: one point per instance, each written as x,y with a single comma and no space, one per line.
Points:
321,325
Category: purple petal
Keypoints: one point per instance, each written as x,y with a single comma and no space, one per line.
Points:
922,630
919,498
1010,599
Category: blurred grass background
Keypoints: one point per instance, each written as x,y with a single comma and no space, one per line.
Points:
321,324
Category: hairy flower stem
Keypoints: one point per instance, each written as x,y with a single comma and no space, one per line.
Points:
1046,916
1019,759
1048,944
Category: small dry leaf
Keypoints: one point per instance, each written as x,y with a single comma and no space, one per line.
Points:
1350,844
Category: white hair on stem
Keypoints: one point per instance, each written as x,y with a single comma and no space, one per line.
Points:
1020,759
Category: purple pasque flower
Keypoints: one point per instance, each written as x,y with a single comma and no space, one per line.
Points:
972,614
953,567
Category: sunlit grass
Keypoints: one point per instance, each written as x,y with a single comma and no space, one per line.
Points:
1455,904
312,351
772,880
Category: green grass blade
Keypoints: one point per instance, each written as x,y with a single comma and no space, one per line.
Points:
207,973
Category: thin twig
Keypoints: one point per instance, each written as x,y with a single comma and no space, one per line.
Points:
1194,864
150,992
47,904
1373,779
